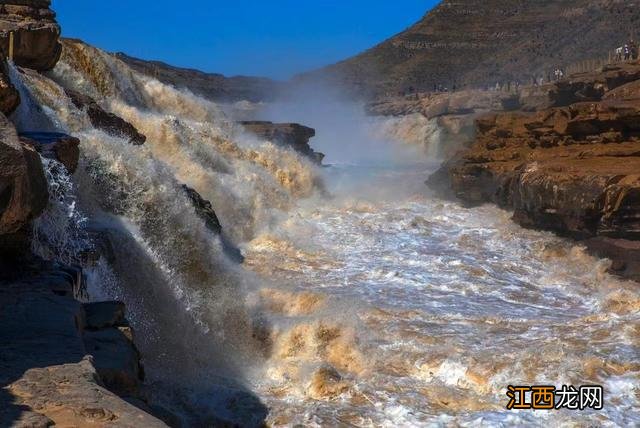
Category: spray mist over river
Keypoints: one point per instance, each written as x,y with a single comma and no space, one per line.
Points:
363,299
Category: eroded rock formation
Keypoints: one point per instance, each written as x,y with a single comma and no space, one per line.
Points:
573,169
23,190
48,375
35,30
291,135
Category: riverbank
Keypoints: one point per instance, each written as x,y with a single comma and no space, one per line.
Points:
569,166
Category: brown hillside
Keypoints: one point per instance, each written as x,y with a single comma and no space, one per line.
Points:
475,43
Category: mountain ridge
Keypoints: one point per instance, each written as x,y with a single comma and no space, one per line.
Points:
473,43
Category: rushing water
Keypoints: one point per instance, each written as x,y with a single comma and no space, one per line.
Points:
433,309
363,300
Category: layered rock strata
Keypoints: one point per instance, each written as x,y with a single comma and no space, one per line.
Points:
573,168
35,33
291,135
50,371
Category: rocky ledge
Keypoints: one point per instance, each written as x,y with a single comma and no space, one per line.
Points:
291,135
35,30
61,361
572,168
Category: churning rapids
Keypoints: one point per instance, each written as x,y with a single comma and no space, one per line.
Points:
363,300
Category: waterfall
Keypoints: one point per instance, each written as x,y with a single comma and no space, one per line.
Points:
186,299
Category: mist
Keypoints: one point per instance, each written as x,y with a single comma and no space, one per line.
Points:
344,133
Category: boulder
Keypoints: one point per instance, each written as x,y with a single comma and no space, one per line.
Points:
291,135
106,121
23,190
108,338
55,145
204,209
35,30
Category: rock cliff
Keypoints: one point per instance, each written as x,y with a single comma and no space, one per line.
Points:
23,191
35,30
61,362
477,43
572,168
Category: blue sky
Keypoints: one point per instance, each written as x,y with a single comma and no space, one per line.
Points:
275,38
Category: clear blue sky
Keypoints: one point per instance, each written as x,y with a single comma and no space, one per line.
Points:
276,38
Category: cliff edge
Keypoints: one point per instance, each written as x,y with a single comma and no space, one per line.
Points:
572,168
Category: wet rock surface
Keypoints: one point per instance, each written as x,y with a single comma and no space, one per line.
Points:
572,169
9,96
205,211
107,121
291,135
54,145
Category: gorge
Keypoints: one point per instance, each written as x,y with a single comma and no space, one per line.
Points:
175,250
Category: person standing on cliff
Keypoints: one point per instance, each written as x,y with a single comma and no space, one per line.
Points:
633,49
627,52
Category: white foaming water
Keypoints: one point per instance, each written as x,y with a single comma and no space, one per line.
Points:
452,305
391,308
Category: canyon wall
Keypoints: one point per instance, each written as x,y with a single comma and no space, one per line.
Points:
478,43
571,168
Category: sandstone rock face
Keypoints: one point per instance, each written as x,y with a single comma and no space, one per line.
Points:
59,146
46,377
574,170
36,33
108,122
478,43
23,190
291,135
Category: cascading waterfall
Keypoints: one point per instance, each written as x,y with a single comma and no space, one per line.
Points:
381,306
185,297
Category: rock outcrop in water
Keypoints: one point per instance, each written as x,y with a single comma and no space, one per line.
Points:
205,211
107,121
55,145
35,30
291,135
572,168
